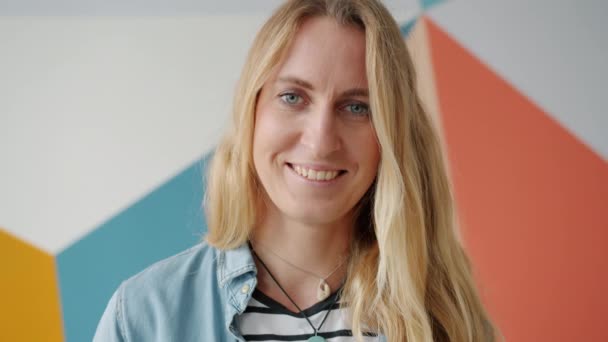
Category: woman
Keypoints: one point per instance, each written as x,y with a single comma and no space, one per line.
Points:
328,205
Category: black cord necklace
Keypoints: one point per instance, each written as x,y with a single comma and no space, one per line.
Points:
316,337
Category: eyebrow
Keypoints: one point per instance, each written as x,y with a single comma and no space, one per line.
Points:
305,84
298,81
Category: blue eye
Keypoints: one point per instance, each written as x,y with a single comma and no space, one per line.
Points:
358,108
291,98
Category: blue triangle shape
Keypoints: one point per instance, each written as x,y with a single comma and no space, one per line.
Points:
162,223
408,27
426,4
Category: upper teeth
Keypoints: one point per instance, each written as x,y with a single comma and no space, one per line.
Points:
315,174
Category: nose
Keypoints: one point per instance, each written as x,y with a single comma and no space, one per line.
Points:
321,134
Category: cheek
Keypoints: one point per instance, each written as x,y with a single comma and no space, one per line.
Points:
270,135
368,152
267,127
259,141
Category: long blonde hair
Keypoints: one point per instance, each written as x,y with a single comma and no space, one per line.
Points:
408,278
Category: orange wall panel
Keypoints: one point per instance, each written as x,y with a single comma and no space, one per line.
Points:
532,200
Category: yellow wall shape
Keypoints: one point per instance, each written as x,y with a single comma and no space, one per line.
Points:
29,294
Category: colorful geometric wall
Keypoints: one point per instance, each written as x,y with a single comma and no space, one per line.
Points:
108,113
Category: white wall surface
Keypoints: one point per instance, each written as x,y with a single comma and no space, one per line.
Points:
97,111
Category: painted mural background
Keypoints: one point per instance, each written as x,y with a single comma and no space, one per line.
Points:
110,109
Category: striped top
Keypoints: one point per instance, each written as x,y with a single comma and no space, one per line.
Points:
265,319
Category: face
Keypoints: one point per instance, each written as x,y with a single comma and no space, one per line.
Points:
314,147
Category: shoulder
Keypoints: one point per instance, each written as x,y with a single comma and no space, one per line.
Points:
157,303
190,296
186,266
169,286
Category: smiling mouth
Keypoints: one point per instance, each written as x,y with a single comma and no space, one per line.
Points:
316,175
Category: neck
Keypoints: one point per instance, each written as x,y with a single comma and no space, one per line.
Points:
317,248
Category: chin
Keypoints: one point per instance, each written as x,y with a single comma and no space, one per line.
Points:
317,216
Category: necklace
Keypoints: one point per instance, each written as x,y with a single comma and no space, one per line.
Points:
323,289
316,337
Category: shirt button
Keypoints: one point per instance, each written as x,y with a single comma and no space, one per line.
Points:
245,288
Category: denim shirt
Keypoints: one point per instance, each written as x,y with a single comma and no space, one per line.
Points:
192,296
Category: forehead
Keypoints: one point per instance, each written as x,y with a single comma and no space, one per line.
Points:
326,54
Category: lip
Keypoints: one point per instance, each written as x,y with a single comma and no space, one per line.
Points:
317,167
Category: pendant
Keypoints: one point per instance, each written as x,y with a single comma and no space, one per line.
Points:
323,291
316,338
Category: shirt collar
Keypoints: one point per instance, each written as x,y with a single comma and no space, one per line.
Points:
233,263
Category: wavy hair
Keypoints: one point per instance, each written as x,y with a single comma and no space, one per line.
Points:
409,277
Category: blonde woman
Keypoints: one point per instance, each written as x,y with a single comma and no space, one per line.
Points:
329,210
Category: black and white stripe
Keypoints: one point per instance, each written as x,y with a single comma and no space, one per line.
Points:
267,320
